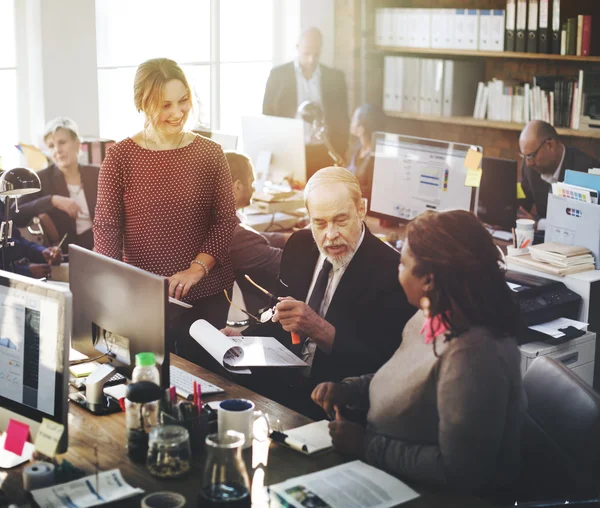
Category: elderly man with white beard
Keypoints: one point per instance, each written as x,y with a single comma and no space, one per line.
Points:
338,291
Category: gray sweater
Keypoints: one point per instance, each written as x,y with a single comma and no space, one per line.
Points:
452,421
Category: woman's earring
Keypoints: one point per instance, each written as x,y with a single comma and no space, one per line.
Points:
425,304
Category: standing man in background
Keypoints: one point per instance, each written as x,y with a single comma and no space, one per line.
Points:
305,79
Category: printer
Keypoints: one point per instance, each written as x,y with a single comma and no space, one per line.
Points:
541,300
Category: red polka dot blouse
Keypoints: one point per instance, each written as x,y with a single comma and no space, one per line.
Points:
158,210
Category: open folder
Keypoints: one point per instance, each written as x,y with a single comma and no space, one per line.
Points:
236,354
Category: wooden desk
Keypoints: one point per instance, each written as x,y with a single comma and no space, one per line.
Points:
108,433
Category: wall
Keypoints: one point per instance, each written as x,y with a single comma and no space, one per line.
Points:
57,72
321,14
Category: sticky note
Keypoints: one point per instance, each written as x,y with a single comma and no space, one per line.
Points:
16,435
520,193
48,436
473,178
472,160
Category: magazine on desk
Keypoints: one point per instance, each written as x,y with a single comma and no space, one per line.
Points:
237,354
351,485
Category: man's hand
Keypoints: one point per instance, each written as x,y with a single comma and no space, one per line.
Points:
53,255
348,438
297,317
328,395
39,270
67,205
230,332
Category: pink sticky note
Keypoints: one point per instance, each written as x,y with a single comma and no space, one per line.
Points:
16,435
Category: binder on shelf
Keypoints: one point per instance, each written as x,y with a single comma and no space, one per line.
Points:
532,27
460,29
544,33
389,83
485,30
425,90
399,84
497,28
449,40
400,37
380,27
556,28
438,28
437,101
411,95
471,40
521,27
510,27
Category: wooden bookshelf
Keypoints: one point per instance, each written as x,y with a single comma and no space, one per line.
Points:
473,122
488,54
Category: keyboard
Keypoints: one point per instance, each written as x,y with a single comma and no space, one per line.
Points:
184,383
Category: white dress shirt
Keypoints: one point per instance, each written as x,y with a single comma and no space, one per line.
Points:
335,275
84,220
308,90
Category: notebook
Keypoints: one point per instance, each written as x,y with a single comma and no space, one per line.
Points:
308,439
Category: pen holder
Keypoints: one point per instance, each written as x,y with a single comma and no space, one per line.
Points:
198,427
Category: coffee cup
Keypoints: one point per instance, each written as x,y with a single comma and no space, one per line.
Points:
524,232
239,415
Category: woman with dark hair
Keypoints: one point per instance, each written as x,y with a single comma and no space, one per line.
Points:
447,407
365,121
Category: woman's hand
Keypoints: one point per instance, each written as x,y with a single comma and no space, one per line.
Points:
181,283
348,438
53,255
328,395
67,205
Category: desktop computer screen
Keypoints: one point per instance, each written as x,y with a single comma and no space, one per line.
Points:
497,205
412,175
35,330
276,148
119,311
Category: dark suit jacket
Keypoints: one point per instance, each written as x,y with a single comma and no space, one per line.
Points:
536,190
281,99
368,310
257,255
53,182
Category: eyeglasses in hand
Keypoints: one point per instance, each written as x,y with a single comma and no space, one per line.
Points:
264,317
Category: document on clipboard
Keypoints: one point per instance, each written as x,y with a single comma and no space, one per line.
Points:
237,354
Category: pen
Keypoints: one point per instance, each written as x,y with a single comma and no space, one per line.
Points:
280,437
524,244
58,247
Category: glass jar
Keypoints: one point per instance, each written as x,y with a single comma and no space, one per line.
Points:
225,479
169,454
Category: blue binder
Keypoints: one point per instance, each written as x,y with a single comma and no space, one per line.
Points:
581,179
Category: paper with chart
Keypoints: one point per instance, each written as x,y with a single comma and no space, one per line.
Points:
237,353
351,485
409,178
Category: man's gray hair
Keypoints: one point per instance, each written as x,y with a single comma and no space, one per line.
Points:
61,122
331,175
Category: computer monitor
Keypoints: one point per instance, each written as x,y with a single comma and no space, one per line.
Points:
497,205
118,310
35,330
276,148
227,141
412,175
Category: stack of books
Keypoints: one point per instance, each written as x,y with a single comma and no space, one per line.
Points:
557,258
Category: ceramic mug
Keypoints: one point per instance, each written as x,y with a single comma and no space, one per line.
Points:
239,415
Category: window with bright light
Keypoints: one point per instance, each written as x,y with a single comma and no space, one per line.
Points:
9,128
225,48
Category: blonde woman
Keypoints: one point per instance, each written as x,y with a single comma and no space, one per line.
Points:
69,189
165,199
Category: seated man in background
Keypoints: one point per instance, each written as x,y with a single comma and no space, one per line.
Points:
28,258
337,290
256,254
545,160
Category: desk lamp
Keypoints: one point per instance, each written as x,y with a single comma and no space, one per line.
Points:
312,113
13,183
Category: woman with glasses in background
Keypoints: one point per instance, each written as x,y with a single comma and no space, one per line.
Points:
69,189
446,409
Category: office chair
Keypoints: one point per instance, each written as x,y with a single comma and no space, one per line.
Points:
560,438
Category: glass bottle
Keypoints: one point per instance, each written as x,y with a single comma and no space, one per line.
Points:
146,370
141,408
225,481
